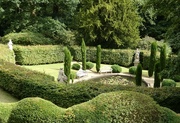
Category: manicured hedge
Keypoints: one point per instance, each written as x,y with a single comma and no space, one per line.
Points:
119,107
109,56
6,54
30,55
25,83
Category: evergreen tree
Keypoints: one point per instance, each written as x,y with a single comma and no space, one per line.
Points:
152,60
157,76
139,75
67,63
163,57
83,52
98,58
110,23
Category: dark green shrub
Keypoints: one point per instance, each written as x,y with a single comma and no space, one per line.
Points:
176,78
89,65
139,75
98,58
132,70
26,38
83,52
6,54
67,63
76,66
163,57
23,83
169,83
157,75
102,109
152,60
116,68
40,54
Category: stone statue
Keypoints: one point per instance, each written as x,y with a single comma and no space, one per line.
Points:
136,57
61,77
10,44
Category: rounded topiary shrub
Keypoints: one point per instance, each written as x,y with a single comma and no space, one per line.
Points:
89,65
76,66
116,68
168,82
132,70
113,107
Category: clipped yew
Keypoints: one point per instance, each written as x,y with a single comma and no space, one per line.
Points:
83,52
67,63
152,60
157,76
98,58
139,75
163,57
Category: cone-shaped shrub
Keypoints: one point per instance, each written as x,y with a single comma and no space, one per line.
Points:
157,76
83,52
98,58
67,63
163,57
152,60
139,75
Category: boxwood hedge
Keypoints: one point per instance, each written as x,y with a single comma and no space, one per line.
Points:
25,83
119,107
30,55
6,54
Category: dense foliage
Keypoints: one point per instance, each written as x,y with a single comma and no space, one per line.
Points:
152,60
110,23
98,58
139,75
83,52
157,76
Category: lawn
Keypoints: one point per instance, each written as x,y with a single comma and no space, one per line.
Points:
53,69
6,97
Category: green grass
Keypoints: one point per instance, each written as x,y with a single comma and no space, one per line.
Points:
53,69
6,97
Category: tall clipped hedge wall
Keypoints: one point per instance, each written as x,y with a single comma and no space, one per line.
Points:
6,54
23,83
110,56
40,54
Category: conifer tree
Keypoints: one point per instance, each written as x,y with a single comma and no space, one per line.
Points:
83,52
67,63
98,58
157,76
163,57
109,23
152,59
139,75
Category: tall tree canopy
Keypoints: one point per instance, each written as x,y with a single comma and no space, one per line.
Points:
111,23
170,9
16,15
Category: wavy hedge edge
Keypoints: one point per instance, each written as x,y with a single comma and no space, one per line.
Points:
119,106
19,82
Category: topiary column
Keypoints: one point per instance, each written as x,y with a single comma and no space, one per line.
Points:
98,58
152,60
163,57
157,76
83,52
67,63
139,75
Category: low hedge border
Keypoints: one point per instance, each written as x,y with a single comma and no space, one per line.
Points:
23,83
